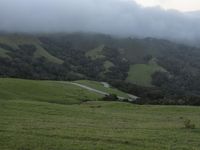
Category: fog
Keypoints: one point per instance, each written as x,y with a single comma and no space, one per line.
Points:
116,17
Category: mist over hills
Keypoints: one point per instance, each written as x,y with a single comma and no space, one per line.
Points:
121,18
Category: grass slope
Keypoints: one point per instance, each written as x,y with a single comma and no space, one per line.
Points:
141,73
96,53
46,91
99,86
3,53
15,40
108,65
33,125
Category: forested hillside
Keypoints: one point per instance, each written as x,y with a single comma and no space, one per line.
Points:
152,68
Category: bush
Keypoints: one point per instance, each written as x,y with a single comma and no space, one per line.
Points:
188,124
111,97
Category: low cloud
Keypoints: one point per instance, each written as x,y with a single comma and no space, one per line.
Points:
117,17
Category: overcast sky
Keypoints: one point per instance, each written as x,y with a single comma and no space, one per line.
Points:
181,5
119,17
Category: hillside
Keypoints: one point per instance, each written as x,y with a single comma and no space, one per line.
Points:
43,115
15,40
81,56
44,91
59,92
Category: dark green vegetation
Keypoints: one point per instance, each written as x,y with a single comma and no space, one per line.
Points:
14,41
155,95
166,70
50,115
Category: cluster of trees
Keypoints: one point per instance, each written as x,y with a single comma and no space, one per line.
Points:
21,63
183,71
75,56
121,66
156,95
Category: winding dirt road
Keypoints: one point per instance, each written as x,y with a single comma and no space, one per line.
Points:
131,97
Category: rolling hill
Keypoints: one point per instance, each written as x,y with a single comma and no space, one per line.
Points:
57,114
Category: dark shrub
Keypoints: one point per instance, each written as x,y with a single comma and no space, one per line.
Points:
111,97
188,124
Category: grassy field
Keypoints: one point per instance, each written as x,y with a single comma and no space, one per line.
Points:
46,91
99,86
36,115
15,40
33,125
141,73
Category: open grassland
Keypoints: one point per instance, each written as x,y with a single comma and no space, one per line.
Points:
33,125
141,74
49,115
15,40
100,86
47,91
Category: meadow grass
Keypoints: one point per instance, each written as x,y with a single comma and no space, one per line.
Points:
33,125
49,115
141,74
48,91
